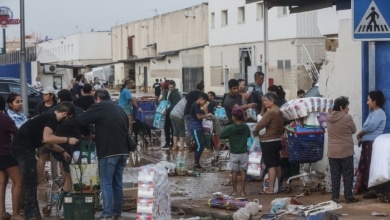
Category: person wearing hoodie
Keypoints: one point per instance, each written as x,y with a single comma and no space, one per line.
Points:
173,96
340,149
237,133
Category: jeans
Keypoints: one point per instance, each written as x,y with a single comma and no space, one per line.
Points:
111,183
28,165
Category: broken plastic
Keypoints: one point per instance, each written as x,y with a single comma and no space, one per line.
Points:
321,207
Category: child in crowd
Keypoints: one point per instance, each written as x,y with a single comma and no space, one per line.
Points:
196,127
237,133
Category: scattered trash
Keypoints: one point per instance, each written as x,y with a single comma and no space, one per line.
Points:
289,204
321,207
193,173
229,204
328,215
379,214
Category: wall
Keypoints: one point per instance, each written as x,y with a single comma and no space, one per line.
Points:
251,30
342,77
76,49
177,30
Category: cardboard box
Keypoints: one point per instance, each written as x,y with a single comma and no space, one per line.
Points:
130,198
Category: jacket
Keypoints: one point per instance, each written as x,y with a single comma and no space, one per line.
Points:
340,130
111,128
273,121
238,135
173,99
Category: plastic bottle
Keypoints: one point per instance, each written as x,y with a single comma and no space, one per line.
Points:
181,168
193,173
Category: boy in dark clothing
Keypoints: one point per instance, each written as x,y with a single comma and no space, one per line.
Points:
237,133
196,128
191,98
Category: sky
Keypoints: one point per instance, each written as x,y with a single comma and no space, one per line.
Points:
58,18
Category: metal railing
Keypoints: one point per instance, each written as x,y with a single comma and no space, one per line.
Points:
309,65
13,57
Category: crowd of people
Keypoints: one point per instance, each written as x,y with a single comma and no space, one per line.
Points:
196,105
63,120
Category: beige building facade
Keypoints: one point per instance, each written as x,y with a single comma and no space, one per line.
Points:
172,45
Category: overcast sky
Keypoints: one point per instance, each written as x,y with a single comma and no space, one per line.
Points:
57,18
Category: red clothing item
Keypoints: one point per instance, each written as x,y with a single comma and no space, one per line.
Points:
164,85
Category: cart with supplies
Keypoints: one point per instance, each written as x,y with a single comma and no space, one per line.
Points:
306,147
146,116
84,199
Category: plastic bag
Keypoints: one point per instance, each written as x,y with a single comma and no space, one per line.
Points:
241,214
220,112
380,165
207,126
266,184
262,131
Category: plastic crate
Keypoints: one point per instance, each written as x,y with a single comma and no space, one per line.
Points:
305,147
79,206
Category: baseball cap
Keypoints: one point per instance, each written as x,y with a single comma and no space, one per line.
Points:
48,90
238,113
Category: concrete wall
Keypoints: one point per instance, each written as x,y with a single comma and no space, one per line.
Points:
175,30
342,77
251,30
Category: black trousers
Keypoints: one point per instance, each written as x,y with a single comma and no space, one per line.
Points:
344,167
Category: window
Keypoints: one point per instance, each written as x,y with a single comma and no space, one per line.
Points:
280,65
282,11
241,15
259,11
287,64
224,18
212,20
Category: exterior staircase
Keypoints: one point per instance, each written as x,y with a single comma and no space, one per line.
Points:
309,65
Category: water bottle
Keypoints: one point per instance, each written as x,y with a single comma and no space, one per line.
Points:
193,173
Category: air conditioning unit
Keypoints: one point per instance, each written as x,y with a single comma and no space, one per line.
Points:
49,69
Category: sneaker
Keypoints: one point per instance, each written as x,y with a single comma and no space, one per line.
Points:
199,167
175,148
351,200
181,148
207,150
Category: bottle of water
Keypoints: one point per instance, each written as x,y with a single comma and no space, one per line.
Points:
193,173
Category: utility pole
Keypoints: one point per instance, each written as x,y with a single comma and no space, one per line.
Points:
23,78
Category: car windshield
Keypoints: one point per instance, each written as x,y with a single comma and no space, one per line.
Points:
16,89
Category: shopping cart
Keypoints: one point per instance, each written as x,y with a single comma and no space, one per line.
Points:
148,106
306,148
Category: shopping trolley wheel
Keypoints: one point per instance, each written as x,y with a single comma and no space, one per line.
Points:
46,211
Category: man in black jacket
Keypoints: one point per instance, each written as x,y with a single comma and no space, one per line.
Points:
111,129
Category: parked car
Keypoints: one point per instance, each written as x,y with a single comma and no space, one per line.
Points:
8,85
